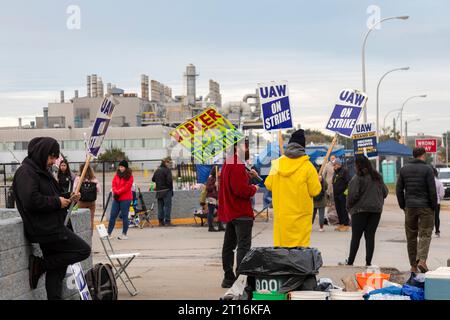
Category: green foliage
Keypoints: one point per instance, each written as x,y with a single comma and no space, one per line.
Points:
112,155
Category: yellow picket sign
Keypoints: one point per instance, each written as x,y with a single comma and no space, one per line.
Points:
207,134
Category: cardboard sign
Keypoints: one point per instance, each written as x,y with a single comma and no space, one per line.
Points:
430,145
100,127
347,112
80,281
207,134
365,140
275,105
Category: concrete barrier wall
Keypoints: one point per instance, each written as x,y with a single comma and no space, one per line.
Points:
14,252
184,203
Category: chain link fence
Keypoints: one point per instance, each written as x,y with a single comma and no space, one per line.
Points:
184,175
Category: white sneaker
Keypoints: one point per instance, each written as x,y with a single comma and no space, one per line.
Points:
110,237
122,237
321,230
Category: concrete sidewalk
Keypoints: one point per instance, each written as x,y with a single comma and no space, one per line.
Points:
184,262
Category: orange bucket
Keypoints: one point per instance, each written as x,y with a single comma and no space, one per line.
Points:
373,280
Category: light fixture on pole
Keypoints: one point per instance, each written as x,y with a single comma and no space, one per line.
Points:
385,117
401,110
406,129
378,106
364,54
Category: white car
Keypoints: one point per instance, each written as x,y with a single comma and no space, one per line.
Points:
444,176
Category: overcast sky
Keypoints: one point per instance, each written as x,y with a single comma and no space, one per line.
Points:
315,45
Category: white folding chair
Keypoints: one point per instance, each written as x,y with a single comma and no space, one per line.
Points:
123,259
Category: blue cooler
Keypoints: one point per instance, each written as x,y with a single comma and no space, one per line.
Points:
437,284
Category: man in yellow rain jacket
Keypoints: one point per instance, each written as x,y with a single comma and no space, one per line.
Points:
294,182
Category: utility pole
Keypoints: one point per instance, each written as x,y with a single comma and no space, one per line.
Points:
394,127
406,133
446,149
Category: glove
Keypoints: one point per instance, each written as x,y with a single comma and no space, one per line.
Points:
116,197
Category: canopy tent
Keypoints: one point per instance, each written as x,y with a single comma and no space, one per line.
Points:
272,152
393,148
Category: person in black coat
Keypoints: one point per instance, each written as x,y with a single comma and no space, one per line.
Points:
43,211
341,179
416,195
164,191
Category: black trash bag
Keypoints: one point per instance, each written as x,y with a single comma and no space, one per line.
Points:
277,261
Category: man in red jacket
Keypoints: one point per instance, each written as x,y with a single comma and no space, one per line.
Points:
235,209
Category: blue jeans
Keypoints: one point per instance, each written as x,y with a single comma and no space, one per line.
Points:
165,208
321,216
123,207
211,210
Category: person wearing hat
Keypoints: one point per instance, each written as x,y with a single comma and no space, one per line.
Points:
121,188
341,179
164,191
43,205
294,182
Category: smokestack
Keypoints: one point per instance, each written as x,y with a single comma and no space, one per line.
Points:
20,123
62,96
76,94
94,86
191,78
109,88
45,117
89,93
145,92
100,91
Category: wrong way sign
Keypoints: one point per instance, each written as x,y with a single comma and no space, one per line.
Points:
430,145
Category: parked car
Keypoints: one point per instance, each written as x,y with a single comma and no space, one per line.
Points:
444,176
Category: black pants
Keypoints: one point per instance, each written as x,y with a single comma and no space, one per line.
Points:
367,223
437,220
340,202
57,257
238,233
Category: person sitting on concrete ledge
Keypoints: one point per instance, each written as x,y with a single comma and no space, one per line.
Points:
43,209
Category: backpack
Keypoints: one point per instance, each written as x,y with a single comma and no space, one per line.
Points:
101,282
88,191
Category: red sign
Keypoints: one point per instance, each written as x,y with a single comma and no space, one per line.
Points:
430,145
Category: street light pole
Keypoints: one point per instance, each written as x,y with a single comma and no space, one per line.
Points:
401,111
364,55
385,117
406,129
378,106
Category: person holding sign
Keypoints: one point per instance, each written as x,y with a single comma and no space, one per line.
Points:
43,205
341,179
366,194
235,209
294,182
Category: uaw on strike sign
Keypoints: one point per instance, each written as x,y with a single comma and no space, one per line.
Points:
207,134
365,140
276,109
347,112
101,125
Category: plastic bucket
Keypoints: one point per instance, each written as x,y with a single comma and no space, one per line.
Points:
373,280
341,295
308,295
269,296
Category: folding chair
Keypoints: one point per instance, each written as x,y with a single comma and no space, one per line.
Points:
123,259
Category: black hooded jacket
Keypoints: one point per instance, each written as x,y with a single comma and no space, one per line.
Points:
37,194
416,187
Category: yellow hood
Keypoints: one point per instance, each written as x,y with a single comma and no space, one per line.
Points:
286,167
